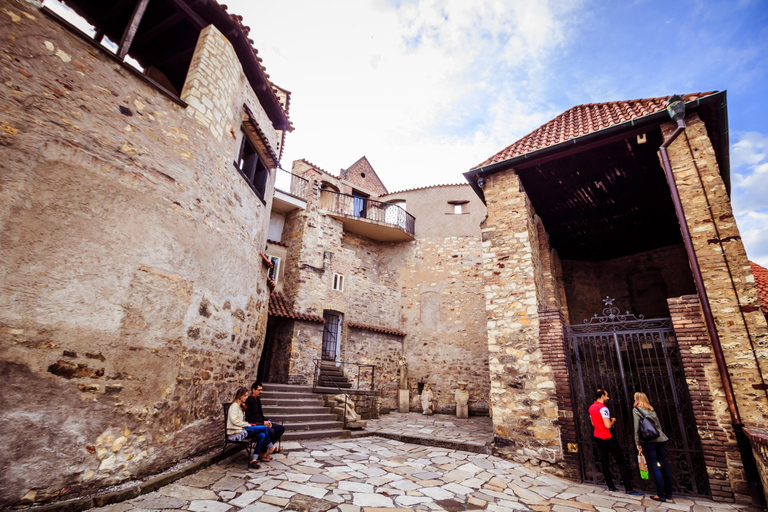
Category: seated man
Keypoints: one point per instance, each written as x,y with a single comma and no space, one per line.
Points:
254,414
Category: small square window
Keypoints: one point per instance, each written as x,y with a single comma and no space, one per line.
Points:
338,282
275,270
457,209
251,167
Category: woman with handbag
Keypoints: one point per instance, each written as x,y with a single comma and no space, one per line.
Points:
651,442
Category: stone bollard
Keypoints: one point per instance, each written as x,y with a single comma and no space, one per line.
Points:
462,398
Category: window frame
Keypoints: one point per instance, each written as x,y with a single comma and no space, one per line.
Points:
338,279
274,272
252,167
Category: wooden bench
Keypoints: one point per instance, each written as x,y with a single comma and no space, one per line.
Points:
247,443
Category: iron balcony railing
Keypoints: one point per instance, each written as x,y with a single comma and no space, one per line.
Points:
365,208
292,184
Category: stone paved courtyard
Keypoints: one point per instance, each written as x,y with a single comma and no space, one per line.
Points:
373,474
473,434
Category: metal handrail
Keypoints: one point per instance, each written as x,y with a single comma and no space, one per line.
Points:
292,184
366,208
314,387
359,366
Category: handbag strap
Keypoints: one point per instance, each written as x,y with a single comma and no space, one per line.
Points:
642,412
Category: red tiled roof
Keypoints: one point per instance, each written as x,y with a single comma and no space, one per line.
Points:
278,307
383,330
581,120
426,187
275,242
761,282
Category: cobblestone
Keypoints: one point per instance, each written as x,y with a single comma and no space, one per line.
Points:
473,434
377,474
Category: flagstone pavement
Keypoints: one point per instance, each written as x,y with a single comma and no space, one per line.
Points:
374,474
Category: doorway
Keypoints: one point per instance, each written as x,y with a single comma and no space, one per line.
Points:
331,336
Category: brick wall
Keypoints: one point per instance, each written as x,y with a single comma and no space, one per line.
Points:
718,443
552,344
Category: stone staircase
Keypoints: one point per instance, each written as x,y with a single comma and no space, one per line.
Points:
331,376
302,413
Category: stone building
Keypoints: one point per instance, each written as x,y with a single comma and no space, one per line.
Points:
580,210
133,296
368,277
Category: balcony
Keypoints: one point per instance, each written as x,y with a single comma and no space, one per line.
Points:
384,222
291,191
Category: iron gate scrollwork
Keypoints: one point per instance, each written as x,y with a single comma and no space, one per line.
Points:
624,353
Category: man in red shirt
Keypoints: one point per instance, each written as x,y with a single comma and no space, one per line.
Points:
607,445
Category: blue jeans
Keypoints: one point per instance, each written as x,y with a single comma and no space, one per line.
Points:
258,432
657,453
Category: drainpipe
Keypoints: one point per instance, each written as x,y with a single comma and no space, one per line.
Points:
677,105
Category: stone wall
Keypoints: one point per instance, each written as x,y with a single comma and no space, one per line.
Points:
133,299
383,350
724,265
523,396
639,283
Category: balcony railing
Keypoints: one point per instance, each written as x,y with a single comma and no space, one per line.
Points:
291,184
364,208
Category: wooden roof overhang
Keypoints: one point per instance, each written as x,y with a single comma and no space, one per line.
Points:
167,35
607,196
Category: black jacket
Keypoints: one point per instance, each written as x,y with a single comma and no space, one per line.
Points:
253,411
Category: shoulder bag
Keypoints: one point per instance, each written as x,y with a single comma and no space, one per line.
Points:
646,430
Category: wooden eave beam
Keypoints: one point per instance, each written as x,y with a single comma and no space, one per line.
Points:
130,30
161,27
190,14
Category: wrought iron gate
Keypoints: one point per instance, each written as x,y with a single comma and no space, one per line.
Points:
624,354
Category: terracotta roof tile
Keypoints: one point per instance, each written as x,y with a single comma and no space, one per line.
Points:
384,330
426,187
279,307
581,120
761,282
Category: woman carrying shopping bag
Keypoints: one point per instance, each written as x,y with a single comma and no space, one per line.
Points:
651,442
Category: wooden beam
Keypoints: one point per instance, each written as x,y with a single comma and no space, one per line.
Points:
185,9
176,56
164,25
130,30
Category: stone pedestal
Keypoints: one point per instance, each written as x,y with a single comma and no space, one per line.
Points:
403,400
462,399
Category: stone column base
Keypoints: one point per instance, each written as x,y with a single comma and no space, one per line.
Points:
403,400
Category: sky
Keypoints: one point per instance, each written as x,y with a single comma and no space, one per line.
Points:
427,89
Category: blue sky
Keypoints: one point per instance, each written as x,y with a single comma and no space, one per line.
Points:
426,89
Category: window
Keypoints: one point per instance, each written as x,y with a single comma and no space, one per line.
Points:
251,167
338,282
275,270
459,207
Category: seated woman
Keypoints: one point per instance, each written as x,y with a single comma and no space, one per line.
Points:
239,429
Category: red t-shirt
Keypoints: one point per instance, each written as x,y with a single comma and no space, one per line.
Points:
598,411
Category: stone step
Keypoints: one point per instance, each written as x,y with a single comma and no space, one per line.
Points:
304,418
279,411
292,402
286,394
314,434
287,388
313,425
327,383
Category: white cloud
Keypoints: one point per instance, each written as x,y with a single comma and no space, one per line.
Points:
749,158
425,89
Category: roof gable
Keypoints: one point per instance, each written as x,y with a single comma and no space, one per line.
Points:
361,173
582,120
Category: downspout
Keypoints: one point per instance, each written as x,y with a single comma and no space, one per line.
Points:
745,447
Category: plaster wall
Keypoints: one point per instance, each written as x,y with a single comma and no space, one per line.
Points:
132,296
